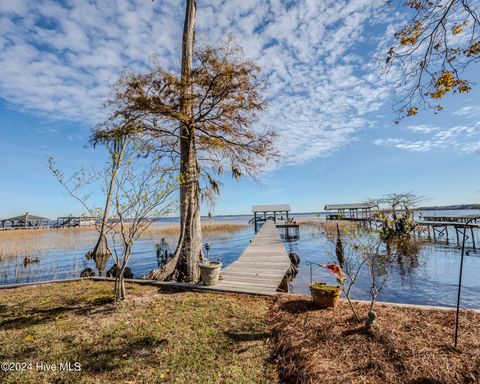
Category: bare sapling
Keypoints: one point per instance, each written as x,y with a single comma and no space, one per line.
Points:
140,189
76,185
142,194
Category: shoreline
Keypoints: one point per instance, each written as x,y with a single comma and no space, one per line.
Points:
186,288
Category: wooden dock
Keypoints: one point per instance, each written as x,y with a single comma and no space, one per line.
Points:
452,218
259,270
439,229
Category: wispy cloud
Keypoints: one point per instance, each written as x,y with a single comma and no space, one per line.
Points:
422,128
60,60
468,111
460,138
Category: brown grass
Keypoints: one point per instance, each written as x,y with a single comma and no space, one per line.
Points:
207,229
36,242
412,346
152,337
329,227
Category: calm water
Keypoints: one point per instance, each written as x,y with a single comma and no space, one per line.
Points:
430,279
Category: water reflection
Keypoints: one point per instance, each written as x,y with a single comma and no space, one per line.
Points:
164,252
424,272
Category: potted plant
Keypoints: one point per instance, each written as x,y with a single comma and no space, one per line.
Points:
209,269
325,295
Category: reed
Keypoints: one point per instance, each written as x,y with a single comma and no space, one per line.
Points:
37,242
34,243
330,227
207,229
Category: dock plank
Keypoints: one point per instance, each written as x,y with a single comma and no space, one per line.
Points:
259,270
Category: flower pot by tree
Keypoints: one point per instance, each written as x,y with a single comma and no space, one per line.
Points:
210,272
324,295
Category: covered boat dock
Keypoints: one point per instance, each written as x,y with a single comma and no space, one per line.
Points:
24,221
354,211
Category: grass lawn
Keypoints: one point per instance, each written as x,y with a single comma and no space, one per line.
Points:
153,337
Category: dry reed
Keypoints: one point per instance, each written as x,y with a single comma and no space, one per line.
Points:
330,227
36,242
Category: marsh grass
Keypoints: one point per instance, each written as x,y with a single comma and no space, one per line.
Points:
329,227
207,229
152,337
37,242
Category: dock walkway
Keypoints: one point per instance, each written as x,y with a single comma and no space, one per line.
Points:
259,270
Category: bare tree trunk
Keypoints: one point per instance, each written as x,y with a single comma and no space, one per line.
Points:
190,243
184,265
119,290
101,248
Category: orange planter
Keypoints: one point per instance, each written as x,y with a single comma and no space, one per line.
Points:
324,295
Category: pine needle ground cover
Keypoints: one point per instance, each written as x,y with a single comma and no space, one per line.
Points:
411,346
152,337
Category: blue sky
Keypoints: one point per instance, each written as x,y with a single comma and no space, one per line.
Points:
329,100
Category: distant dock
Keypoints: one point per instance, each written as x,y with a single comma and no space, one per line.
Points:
435,227
29,221
279,214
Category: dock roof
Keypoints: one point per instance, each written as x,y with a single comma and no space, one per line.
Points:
331,207
26,217
271,208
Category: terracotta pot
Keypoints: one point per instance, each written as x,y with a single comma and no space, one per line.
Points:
324,295
210,272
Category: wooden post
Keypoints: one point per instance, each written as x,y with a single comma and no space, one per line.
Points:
446,231
456,233
473,237
255,220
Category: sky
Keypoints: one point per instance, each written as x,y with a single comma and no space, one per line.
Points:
329,99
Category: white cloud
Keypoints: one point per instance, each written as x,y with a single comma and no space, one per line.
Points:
460,138
468,111
422,128
322,84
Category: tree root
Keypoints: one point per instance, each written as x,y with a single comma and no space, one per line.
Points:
167,272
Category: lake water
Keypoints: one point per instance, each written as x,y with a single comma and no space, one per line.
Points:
431,278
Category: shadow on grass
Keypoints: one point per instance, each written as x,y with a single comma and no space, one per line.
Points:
37,316
116,354
246,336
298,306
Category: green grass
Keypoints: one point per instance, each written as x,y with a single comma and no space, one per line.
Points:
152,337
